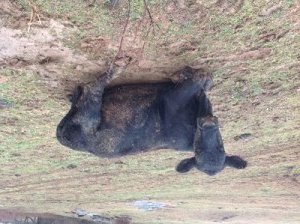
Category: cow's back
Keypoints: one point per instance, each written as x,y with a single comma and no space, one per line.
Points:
129,118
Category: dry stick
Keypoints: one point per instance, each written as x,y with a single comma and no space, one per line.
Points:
150,16
148,29
124,29
111,67
149,13
139,25
146,37
33,14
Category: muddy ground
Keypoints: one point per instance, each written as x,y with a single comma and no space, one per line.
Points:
252,50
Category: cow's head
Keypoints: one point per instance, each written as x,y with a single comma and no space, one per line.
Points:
69,130
210,156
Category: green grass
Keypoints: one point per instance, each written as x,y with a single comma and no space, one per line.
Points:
27,126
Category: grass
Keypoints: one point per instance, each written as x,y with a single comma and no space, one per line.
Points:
24,126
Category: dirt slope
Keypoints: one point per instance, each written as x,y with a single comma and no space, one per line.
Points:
252,49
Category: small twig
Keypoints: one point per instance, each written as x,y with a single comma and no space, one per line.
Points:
150,16
124,29
30,220
33,14
148,11
144,44
139,25
112,64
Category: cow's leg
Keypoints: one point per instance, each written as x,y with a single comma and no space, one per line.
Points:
179,108
236,162
192,83
204,105
89,107
78,127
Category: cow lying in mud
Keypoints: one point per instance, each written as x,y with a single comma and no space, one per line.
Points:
126,119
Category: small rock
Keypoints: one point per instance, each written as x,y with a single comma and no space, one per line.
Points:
149,205
16,154
244,136
101,219
4,104
79,212
255,103
290,168
72,166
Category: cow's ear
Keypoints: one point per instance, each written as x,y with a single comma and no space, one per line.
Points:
73,98
70,97
186,165
236,162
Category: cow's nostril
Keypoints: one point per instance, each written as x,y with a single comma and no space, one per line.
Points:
209,125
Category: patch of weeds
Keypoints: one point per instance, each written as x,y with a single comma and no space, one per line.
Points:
24,4
179,30
74,10
255,84
237,93
266,191
296,170
289,3
137,10
247,12
74,38
90,20
226,32
4,103
281,76
30,123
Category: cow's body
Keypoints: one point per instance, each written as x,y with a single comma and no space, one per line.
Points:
126,119
138,118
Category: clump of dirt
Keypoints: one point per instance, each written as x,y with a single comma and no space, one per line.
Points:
11,15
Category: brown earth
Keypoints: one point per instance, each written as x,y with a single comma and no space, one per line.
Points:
252,49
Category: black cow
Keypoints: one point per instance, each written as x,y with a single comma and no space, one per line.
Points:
126,119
